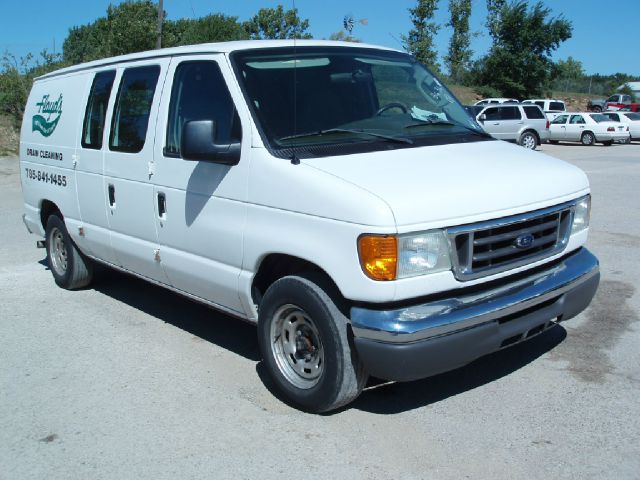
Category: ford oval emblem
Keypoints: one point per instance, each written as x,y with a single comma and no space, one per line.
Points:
524,241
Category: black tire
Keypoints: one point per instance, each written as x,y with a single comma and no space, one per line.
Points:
588,139
597,109
528,140
70,269
305,304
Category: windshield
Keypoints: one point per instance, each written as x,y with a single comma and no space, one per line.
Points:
360,99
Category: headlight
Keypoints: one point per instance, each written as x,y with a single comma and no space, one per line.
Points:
389,257
423,253
581,215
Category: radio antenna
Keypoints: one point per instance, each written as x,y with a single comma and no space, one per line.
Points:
294,158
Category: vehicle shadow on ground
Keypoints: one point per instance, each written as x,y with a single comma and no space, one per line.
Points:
206,323
240,338
400,397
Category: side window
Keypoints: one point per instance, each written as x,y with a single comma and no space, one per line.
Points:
510,113
577,120
614,117
133,105
540,104
533,112
94,115
492,113
558,106
560,120
613,99
199,92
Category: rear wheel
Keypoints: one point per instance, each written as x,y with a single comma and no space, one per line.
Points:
597,109
587,139
528,140
304,340
70,269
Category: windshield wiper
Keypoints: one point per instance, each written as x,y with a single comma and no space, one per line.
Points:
319,133
446,122
430,122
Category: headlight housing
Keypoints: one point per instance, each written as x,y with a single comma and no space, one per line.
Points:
581,215
391,257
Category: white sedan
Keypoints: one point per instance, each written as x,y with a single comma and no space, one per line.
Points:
630,119
587,128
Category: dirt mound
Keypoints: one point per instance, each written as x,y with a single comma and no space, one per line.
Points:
9,137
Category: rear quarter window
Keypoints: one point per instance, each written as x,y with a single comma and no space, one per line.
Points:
133,105
510,113
533,113
556,106
96,111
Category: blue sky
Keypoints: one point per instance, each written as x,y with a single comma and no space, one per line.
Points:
32,26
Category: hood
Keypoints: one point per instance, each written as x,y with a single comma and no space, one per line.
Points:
469,181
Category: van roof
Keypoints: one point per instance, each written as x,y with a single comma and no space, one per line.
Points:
220,47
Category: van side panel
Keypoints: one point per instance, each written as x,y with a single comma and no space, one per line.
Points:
92,198
47,147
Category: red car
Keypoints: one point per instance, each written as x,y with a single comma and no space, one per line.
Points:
632,107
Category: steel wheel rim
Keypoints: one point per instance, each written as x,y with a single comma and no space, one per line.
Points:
529,142
58,251
587,139
296,346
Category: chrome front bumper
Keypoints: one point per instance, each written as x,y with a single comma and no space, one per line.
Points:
421,340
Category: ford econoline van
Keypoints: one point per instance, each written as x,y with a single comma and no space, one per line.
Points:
335,194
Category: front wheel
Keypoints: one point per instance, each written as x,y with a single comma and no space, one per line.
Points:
597,109
528,140
70,269
304,341
587,139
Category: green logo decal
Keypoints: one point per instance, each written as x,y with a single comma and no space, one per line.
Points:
43,121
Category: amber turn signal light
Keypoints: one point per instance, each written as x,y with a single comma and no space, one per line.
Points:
378,256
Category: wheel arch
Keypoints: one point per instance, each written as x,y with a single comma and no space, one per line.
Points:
533,131
275,266
47,208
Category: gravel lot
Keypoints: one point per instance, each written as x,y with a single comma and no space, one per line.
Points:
128,381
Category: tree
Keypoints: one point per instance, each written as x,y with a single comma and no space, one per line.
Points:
128,27
132,27
343,37
459,55
519,63
569,68
419,42
494,14
276,23
16,78
212,28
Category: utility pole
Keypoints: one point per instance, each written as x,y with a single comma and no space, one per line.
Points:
160,15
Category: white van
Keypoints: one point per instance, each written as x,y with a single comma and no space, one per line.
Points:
336,194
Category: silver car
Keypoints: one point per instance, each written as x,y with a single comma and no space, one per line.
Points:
525,124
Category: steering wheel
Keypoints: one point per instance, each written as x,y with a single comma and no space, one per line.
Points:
391,105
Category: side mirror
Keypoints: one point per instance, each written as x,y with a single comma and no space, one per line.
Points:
198,144
482,118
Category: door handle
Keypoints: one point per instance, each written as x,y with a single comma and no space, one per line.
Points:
112,195
162,205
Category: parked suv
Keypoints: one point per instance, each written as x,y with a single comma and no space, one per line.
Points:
525,124
551,107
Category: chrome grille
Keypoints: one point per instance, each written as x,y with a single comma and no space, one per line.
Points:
486,248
